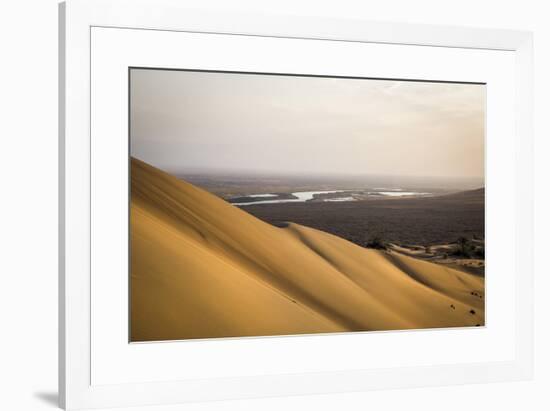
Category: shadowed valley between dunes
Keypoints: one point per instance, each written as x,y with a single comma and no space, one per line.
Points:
203,268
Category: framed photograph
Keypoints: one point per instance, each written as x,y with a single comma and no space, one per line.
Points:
265,205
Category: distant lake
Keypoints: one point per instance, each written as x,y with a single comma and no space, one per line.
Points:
262,195
347,195
303,196
397,193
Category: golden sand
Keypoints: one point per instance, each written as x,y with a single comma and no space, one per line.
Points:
203,268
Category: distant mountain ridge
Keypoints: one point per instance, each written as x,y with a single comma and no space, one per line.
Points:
476,194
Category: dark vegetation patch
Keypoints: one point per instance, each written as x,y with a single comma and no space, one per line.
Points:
427,221
466,248
377,243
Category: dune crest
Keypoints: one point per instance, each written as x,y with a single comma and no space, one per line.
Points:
202,268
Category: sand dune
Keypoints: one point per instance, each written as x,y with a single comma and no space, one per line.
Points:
202,268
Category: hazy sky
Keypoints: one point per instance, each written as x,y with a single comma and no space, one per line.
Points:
191,120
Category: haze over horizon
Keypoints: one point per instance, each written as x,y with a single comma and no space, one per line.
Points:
196,121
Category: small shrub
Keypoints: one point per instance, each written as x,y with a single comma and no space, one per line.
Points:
479,252
464,248
377,243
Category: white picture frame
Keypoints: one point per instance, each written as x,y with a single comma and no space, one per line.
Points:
79,384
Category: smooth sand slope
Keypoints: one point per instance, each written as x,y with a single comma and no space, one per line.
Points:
202,268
